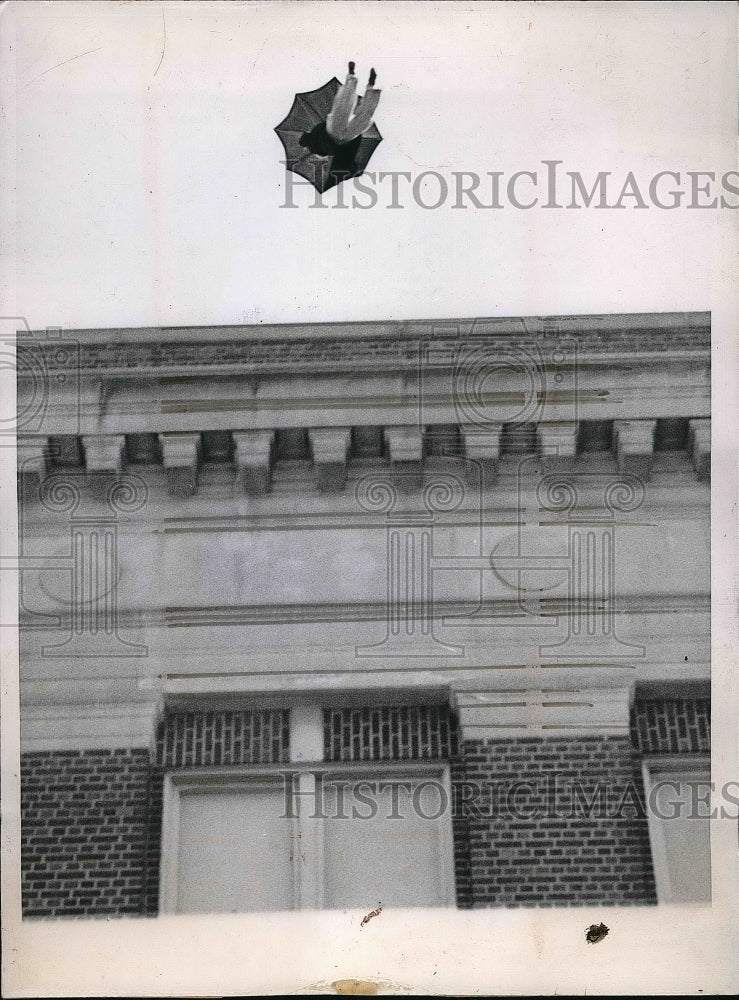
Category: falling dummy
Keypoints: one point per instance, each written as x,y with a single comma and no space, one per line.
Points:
329,134
347,121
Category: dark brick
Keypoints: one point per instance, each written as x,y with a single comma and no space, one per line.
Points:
70,839
672,725
552,860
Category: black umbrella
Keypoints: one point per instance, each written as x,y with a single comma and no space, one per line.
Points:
309,149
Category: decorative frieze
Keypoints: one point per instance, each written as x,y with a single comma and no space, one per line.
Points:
104,453
144,449
330,447
482,449
405,445
181,455
65,451
634,443
32,463
479,449
558,442
699,443
253,457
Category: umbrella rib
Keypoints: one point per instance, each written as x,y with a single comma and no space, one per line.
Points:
319,169
310,96
319,115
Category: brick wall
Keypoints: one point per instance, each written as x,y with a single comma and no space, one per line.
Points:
83,832
537,832
672,725
206,739
399,732
461,835
91,820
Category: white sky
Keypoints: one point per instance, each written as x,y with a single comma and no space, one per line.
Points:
149,184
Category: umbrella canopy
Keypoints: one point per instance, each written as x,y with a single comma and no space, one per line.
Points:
309,149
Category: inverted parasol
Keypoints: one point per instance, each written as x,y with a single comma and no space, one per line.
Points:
309,149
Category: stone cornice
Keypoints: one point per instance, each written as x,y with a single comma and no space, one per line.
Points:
376,347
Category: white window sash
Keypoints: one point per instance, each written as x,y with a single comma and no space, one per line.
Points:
307,832
672,767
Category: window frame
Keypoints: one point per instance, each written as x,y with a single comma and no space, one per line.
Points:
680,767
308,880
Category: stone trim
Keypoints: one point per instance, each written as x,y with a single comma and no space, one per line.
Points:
699,445
634,443
375,347
104,452
253,459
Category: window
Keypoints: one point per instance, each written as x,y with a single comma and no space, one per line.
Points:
226,847
307,837
677,790
395,845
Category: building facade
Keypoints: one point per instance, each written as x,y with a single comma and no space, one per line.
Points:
339,615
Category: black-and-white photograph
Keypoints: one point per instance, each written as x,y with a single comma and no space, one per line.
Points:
366,361
313,596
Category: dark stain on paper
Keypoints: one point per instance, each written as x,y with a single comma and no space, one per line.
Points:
372,913
356,987
595,933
